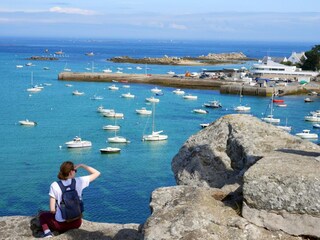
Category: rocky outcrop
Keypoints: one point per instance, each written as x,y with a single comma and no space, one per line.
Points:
282,192
225,56
221,153
186,212
20,227
279,173
211,58
41,58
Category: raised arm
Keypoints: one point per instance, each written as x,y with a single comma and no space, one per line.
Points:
94,173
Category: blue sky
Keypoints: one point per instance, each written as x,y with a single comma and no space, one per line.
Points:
272,20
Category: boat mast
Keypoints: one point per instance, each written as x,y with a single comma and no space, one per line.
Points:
153,113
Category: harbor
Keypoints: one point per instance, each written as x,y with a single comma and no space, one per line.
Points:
225,86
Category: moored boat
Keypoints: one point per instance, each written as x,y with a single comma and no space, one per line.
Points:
305,134
316,125
153,99
27,123
113,87
143,111
278,100
77,142
201,111
213,104
242,108
127,95
190,97
110,150
118,139
178,91
111,127
204,125
77,93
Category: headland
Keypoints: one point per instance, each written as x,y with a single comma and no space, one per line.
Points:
210,59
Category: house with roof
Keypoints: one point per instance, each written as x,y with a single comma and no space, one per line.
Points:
297,57
275,59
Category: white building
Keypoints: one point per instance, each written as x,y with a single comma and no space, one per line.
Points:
271,69
297,57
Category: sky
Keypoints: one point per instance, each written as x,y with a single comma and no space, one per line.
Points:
271,20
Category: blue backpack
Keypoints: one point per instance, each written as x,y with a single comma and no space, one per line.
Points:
71,206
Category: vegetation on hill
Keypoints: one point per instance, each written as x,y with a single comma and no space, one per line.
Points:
313,59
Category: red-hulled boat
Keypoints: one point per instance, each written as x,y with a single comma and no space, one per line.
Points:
278,100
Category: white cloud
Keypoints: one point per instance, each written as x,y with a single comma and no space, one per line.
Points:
178,26
78,11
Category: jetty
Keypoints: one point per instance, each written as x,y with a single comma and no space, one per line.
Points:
224,85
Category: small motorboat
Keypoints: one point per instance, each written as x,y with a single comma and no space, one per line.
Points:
281,105
278,100
213,104
109,150
305,134
307,100
112,114
96,97
190,97
178,91
316,125
108,70
113,87
153,99
111,127
118,139
156,90
143,111
127,95
204,125
77,142
242,108
27,123
201,111
77,93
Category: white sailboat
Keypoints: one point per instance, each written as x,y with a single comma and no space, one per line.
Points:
269,118
34,89
240,107
117,139
155,135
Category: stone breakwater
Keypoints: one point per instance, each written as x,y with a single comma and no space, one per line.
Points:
225,86
239,178
211,58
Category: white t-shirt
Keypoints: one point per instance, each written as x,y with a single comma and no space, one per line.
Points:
56,193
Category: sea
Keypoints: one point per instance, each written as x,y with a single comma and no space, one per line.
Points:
30,156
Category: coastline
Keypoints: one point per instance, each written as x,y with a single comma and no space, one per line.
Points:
224,86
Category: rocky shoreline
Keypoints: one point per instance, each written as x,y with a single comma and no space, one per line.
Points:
41,58
229,186
210,59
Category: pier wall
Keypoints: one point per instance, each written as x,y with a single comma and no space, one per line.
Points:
225,86
246,90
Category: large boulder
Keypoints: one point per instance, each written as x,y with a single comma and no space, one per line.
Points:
189,213
282,192
221,153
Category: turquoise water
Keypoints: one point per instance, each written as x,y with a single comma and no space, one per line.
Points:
31,156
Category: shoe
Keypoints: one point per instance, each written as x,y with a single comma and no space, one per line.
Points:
47,235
